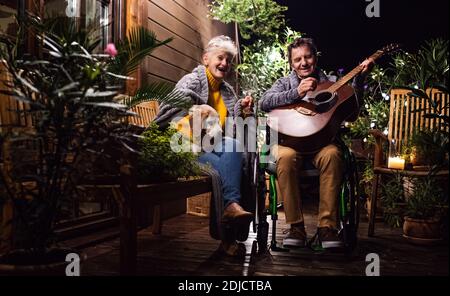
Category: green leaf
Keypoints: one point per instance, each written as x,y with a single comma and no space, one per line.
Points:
139,43
107,105
96,94
162,92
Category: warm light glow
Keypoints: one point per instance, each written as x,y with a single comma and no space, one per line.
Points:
396,163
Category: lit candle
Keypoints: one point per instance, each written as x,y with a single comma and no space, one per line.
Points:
396,163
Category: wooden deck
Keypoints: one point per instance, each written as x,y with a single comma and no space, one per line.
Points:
186,249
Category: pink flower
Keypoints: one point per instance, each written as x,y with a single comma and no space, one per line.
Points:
111,49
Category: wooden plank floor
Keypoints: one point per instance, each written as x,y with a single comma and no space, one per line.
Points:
185,248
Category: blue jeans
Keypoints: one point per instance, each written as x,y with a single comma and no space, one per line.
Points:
229,167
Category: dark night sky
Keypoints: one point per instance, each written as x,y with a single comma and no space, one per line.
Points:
345,35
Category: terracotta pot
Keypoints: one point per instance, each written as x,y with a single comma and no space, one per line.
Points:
422,231
23,263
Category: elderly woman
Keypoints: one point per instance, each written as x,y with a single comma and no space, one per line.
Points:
206,87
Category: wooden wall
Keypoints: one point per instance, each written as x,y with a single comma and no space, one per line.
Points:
184,20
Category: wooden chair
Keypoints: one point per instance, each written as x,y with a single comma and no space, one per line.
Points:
406,115
146,112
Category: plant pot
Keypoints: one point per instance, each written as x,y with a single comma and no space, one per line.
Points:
422,231
24,263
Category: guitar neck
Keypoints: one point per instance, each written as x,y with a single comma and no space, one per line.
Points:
344,80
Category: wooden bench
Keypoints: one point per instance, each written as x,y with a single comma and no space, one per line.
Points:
132,196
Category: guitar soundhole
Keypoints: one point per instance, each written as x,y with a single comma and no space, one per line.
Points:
323,97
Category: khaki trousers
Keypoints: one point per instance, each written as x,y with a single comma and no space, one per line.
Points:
331,167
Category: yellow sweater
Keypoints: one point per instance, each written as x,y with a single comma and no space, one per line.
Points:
215,99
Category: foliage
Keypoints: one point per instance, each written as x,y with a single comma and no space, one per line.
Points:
393,196
433,145
69,99
423,199
158,162
263,63
158,91
427,199
375,112
428,67
366,178
70,93
138,44
261,19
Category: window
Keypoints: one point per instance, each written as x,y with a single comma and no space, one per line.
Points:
104,18
7,20
94,14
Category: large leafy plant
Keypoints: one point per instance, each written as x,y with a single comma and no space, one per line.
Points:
427,67
71,95
427,199
263,63
158,161
424,73
261,19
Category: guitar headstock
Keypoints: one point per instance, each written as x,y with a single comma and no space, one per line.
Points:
388,49
391,48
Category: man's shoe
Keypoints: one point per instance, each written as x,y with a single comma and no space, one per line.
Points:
296,237
235,213
329,238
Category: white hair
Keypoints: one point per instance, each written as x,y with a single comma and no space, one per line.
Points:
221,43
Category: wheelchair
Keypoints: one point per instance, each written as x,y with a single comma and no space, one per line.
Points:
349,198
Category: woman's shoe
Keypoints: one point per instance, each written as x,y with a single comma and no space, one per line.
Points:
235,213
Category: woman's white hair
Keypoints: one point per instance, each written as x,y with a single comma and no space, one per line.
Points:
221,43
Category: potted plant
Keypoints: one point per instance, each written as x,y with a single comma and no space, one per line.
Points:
393,201
158,162
424,210
70,94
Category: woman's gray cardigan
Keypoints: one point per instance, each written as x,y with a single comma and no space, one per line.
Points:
195,87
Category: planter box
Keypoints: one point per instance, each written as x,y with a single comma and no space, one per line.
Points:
199,205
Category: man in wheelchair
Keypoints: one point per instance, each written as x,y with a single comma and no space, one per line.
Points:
305,77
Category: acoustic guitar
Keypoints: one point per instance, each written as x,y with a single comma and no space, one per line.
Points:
314,122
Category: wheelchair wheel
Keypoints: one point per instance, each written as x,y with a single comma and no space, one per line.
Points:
349,205
258,192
